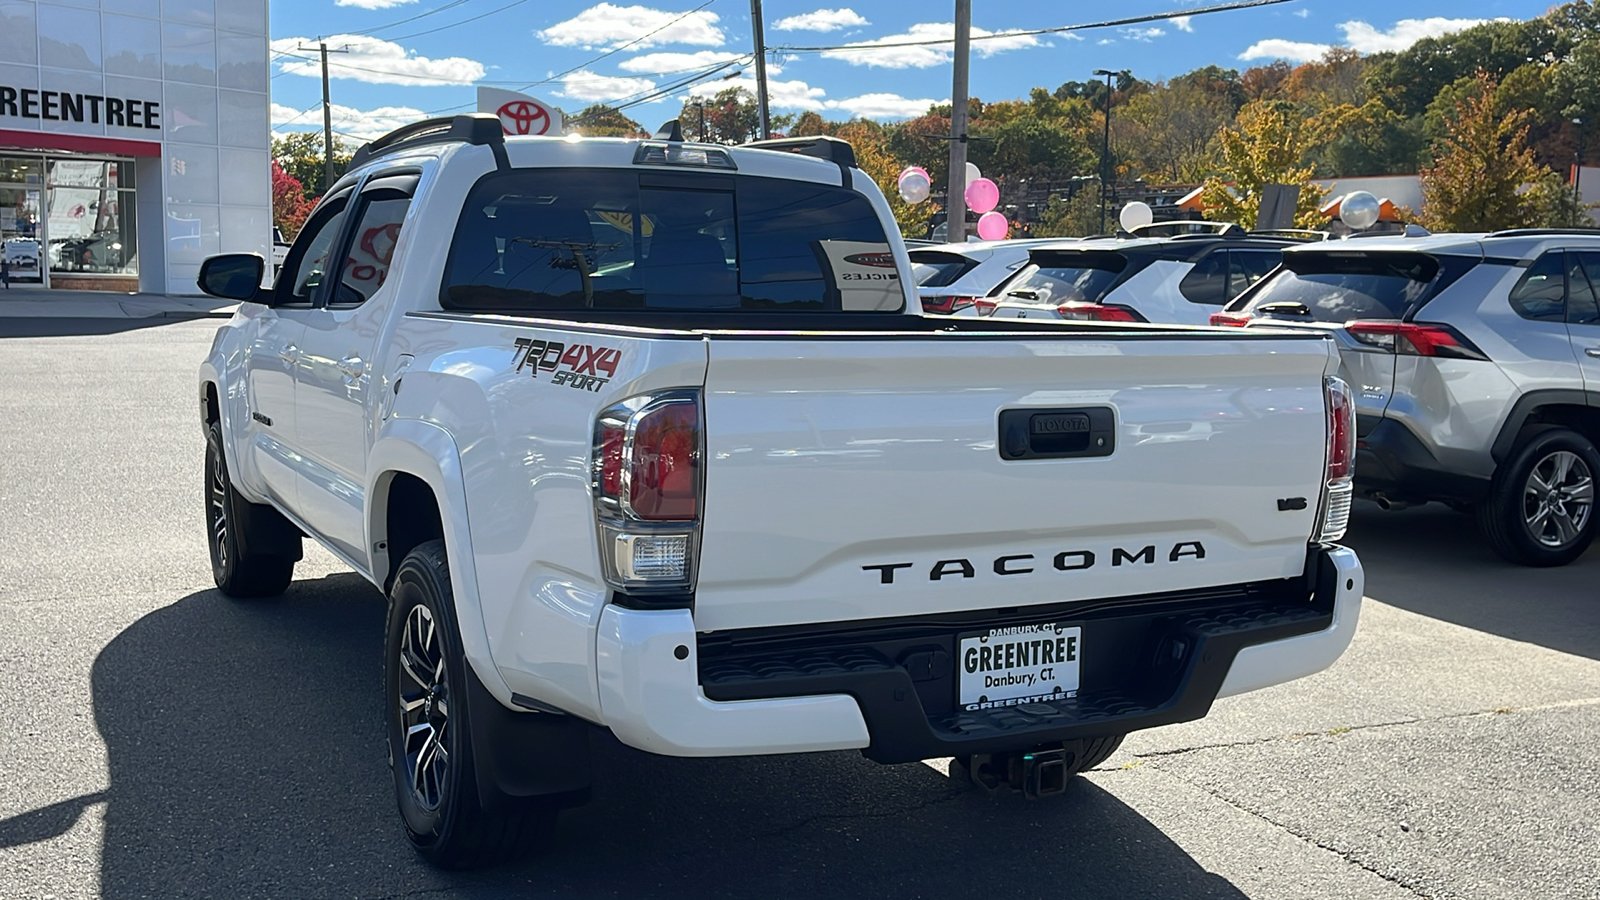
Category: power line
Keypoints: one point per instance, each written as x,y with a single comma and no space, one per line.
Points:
454,24
619,49
421,15
1000,35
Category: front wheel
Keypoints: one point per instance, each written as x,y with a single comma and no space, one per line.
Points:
1540,510
430,738
237,565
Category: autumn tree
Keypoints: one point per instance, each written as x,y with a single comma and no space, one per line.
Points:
600,120
289,203
1484,175
810,123
300,155
1265,148
874,158
1073,216
1169,131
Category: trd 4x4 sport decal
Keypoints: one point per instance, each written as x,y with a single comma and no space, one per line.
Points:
575,365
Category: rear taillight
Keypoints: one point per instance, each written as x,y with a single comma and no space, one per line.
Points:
1338,489
1414,339
985,306
946,305
1098,312
1231,319
646,482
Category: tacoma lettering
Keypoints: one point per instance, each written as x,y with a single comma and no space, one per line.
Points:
1065,561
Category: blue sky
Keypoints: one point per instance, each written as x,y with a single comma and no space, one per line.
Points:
408,58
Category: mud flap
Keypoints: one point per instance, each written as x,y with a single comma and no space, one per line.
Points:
522,755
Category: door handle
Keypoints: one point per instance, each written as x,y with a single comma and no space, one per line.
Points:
352,366
289,353
1592,351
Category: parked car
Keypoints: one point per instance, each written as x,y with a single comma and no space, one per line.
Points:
1475,359
1180,279
649,436
952,277
280,250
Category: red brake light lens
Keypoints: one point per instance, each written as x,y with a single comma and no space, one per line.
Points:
1341,431
664,482
1231,319
1098,312
985,307
946,305
1415,339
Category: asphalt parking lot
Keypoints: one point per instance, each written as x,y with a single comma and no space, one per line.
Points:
159,740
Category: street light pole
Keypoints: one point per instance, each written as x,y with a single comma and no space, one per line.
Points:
1577,176
1105,148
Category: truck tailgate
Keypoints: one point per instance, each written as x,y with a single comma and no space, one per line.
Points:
861,477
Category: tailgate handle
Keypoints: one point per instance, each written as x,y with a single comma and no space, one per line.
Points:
1057,433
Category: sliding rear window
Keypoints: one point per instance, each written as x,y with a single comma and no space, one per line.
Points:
934,268
1073,276
1338,287
574,239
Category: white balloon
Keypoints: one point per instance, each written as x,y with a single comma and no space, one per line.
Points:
1359,210
972,173
1135,214
915,187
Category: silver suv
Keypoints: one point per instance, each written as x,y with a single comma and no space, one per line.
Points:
1475,360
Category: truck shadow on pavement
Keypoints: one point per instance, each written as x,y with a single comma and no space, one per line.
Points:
1432,561
246,759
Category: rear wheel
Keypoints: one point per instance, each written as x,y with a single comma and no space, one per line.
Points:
1540,510
430,737
238,570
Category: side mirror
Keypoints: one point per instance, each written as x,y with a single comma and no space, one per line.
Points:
234,276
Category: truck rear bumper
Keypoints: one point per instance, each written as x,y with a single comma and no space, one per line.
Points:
888,688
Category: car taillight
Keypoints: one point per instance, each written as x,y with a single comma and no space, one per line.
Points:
1414,339
1338,488
946,305
1098,312
985,306
647,483
1231,319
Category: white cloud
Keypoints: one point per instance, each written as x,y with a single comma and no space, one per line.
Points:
357,123
605,25
821,20
1143,34
377,62
884,106
780,94
1277,48
372,4
666,63
1303,13
591,88
924,56
1365,39
1183,23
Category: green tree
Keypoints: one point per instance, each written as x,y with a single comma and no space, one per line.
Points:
1070,217
1170,131
810,123
600,120
1266,148
1483,169
299,153
1370,139
1410,80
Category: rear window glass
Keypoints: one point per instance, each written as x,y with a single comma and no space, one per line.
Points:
1057,278
931,268
1541,294
571,239
1341,288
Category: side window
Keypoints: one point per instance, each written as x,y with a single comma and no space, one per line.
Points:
1540,295
1246,267
1207,282
372,247
1584,310
307,262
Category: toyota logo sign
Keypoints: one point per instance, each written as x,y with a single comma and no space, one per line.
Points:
524,117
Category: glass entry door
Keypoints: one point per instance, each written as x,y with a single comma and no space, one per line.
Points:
20,235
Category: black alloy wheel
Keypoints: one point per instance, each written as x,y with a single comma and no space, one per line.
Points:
238,571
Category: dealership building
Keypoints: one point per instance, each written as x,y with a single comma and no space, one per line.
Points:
133,140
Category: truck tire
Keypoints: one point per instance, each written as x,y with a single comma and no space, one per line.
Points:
1540,508
429,730
235,532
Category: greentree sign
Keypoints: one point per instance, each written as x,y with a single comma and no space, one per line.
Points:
65,106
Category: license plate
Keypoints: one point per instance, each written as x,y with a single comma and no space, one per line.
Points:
1019,664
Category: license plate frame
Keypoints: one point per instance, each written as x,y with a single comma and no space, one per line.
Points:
1023,664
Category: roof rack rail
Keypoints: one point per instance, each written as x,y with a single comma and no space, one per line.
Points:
1535,232
1291,234
819,146
467,128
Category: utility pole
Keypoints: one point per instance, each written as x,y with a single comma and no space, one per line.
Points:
1105,150
327,115
702,104
761,68
1577,177
955,205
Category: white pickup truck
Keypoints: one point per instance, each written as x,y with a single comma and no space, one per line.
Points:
649,435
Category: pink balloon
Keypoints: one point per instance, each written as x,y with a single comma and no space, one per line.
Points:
909,169
982,195
992,226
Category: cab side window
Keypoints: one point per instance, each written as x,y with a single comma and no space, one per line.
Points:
1541,294
1246,267
1583,288
382,210
307,264
1207,282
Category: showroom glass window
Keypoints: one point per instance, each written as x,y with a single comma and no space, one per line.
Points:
90,217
